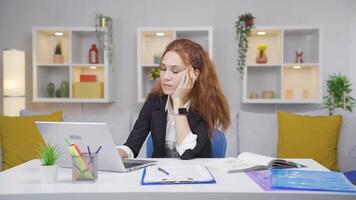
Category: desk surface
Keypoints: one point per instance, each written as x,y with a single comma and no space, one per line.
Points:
23,182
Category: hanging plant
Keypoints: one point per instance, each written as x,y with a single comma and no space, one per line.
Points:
243,29
339,88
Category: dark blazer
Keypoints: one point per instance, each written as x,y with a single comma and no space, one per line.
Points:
153,118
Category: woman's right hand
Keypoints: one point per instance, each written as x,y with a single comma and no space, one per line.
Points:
185,85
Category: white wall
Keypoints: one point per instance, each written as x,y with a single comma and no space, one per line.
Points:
335,16
352,49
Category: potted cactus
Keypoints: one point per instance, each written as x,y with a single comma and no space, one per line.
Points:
48,155
58,56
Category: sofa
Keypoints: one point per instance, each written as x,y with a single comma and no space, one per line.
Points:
249,132
258,133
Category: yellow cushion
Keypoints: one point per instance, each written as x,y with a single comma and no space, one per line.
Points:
21,138
313,137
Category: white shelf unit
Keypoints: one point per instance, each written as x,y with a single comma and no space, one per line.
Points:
297,83
149,46
76,42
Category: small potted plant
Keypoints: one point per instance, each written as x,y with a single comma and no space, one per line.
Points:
154,73
339,88
243,29
48,155
58,57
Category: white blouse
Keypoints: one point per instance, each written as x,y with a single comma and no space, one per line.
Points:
189,142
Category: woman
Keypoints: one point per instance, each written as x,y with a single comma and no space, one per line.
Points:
183,108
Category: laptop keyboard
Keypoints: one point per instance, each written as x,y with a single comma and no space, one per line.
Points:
129,165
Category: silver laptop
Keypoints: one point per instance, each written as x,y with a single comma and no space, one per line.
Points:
86,134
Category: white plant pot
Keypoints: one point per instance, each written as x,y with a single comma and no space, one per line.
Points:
48,173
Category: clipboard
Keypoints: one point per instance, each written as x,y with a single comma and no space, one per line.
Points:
168,179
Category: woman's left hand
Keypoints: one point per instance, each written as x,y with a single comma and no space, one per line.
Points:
185,85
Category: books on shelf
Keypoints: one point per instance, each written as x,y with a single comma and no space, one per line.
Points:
247,161
87,78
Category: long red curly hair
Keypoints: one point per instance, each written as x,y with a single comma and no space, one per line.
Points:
206,96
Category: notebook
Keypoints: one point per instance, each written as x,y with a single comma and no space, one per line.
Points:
310,180
247,161
176,174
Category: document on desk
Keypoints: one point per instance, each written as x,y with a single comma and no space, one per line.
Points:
176,174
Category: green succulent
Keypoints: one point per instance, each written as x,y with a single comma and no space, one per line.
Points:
48,154
154,73
339,88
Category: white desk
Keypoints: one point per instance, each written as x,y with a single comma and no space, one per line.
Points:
23,182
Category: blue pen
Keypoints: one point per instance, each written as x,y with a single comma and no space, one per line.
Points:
163,171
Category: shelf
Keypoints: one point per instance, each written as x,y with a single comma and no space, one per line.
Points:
48,74
72,100
81,44
53,65
263,79
291,82
147,84
154,45
76,44
77,71
201,37
264,65
307,40
273,40
301,83
283,101
150,65
88,65
46,42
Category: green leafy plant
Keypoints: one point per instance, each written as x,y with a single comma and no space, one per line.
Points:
48,154
243,29
339,88
154,73
58,49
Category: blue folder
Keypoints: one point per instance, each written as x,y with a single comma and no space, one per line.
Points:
351,175
168,181
311,180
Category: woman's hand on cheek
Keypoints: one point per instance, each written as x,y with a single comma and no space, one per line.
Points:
185,85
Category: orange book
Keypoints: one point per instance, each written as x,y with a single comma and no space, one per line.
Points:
87,78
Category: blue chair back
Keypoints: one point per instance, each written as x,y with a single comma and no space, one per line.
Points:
218,145
149,146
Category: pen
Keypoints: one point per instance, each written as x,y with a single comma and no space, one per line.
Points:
97,151
89,151
163,171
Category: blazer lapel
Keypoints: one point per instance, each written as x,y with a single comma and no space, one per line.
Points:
159,123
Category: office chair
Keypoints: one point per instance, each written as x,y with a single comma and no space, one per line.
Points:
218,145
